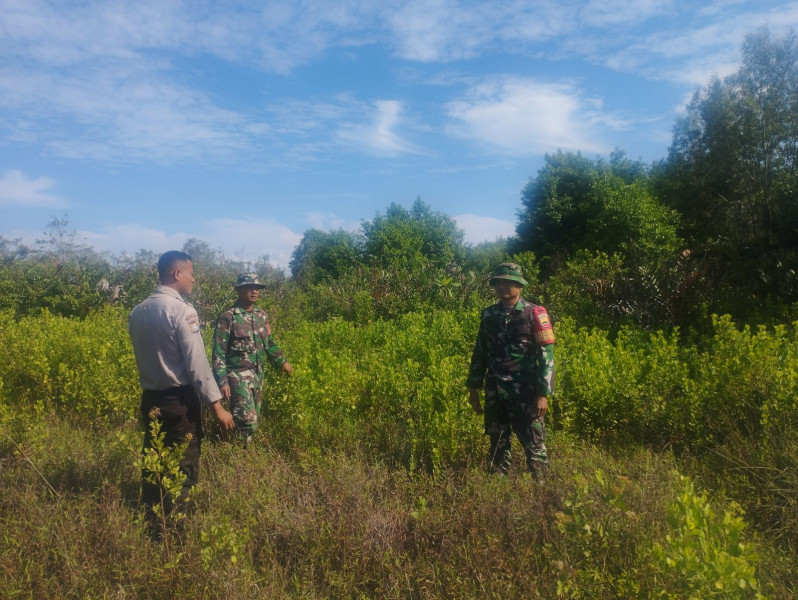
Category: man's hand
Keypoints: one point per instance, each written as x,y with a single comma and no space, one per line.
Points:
287,368
225,389
543,406
473,398
223,416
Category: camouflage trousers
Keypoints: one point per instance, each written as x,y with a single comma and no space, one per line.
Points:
512,407
246,392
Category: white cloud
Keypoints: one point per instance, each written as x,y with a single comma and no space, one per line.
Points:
251,238
108,81
527,117
16,189
379,135
123,114
241,239
131,238
691,55
104,81
484,229
611,13
276,37
718,6
441,30
329,221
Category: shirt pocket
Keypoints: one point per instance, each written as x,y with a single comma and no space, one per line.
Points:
241,339
522,336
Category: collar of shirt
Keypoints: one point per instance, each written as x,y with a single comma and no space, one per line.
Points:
518,305
165,289
238,309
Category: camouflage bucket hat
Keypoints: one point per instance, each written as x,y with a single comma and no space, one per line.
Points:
508,271
248,279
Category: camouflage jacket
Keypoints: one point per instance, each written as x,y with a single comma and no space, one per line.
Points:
241,342
506,349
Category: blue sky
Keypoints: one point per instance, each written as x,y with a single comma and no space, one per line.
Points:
247,123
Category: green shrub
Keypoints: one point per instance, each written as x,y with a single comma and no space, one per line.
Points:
84,367
705,555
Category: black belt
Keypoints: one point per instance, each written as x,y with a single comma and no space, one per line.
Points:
170,391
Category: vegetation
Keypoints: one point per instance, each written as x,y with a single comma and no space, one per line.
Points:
673,429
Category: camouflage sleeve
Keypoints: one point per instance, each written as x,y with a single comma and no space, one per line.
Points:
221,339
544,375
273,351
479,359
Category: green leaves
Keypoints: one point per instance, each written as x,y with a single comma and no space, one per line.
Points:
704,555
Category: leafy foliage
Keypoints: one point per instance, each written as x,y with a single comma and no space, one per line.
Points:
731,173
409,238
324,256
705,556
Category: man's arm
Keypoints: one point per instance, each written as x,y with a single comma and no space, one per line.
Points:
473,398
478,367
544,376
479,359
274,353
544,370
221,340
192,348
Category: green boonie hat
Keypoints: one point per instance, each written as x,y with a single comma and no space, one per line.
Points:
508,271
248,279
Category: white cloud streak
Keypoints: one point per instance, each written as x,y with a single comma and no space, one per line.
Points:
16,189
251,238
479,229
379,135
122,114
329,221
238,238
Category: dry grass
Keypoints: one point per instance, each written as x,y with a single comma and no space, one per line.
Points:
307,525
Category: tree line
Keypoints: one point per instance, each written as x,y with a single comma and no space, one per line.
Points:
712,228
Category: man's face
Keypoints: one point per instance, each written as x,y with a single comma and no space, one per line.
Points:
248,294
184,276
506,290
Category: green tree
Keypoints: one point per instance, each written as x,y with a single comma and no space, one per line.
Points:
564,206
553,218
731,172
413,238
608,247
324,256
482,258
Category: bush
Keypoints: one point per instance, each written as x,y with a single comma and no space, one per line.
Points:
705,555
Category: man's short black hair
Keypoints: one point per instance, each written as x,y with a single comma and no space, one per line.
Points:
167,262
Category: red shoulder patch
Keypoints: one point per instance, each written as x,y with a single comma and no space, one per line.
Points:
544,334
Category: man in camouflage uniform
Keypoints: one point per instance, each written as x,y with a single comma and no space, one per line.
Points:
242,342
514,356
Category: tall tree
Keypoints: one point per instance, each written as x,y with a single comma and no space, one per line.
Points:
580,204
731,170
324,256
414,237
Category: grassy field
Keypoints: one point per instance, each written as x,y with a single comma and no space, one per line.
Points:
313,525
368,479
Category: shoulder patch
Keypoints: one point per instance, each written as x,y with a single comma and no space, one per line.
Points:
193,322
544,334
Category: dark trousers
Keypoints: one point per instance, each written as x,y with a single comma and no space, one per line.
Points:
511,407
180,415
